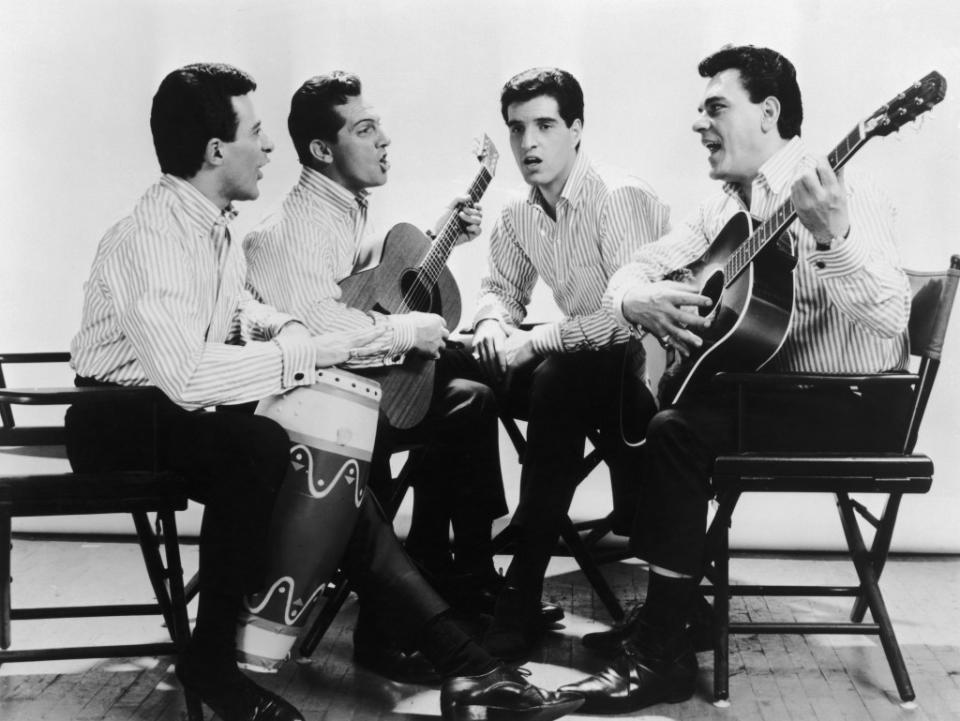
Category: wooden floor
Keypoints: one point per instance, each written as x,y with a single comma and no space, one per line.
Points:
774,678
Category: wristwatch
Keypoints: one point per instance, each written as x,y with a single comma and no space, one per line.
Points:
828,244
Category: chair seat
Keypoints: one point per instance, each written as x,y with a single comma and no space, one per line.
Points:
120,492
839,473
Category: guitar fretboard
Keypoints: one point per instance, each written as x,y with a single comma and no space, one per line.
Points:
436,258
773,226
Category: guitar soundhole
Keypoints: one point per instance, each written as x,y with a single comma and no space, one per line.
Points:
416,294
713,289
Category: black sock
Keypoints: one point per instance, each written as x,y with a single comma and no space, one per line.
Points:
668,604
451,651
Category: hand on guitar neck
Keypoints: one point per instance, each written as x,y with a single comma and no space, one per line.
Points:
469,214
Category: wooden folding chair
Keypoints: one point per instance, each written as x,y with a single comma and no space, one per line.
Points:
55,494
841,474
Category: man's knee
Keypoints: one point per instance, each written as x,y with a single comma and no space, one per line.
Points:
471,402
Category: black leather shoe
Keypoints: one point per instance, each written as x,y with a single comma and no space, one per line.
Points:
390,661
474,592
503,694
231,695
640,677
699,629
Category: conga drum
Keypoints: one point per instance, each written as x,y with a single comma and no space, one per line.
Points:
332,425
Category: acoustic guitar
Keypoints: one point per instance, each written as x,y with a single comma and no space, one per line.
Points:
748,269
412,275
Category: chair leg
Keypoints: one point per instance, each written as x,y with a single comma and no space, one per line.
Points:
329,611
150,548
863,562
879,550
5,603
589,567
721,613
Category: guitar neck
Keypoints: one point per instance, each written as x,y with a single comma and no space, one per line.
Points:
436,258
773,226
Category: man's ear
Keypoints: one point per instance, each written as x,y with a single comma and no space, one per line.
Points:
576,128
320,151
213,154
770,113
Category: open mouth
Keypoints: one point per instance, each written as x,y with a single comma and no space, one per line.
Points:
712,145
384,164
531,162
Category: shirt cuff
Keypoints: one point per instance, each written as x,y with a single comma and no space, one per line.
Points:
298,361
546,339
402,330
846,257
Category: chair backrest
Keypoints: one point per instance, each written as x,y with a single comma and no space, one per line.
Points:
932,298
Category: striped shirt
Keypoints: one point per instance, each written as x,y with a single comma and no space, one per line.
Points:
298,255
852,301
602,218
165,306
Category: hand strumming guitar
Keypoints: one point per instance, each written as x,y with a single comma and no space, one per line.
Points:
430,333
662,309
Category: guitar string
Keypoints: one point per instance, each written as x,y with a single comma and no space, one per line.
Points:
418,295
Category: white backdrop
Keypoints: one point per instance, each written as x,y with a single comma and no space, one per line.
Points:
76,79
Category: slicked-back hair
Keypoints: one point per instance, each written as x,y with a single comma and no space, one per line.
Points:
553,82
192,105
313,110
764,73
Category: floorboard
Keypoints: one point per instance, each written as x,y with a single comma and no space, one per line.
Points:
773,678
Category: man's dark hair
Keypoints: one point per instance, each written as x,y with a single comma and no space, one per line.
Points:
313,111
192,105
764,73
554,82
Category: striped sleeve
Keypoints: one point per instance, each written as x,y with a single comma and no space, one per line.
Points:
861,274
157,312
506,291
289,268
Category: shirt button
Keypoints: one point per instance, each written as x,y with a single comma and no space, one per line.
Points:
820,264
298,376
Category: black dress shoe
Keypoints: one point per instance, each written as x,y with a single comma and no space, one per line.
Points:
502,694
699,629
640,676
231,695
477,592
386,658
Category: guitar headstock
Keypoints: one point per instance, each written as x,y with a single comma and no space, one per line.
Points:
486,153
907,106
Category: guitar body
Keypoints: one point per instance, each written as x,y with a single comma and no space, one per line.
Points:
751,315
390,288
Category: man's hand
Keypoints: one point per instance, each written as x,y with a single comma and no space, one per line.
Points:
489,339
820,200
470,215
519,348
661,308
431,333
334,348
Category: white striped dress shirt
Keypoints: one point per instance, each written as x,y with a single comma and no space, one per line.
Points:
852,301
298,255
162,308
602,218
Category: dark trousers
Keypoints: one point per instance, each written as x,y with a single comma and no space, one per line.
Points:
562,398
235,463
683,441
459,481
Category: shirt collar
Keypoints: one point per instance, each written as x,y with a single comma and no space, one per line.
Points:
198,207
572,189
328,191
778,171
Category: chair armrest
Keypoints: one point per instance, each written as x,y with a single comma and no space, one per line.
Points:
69,395
821,380
46,357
